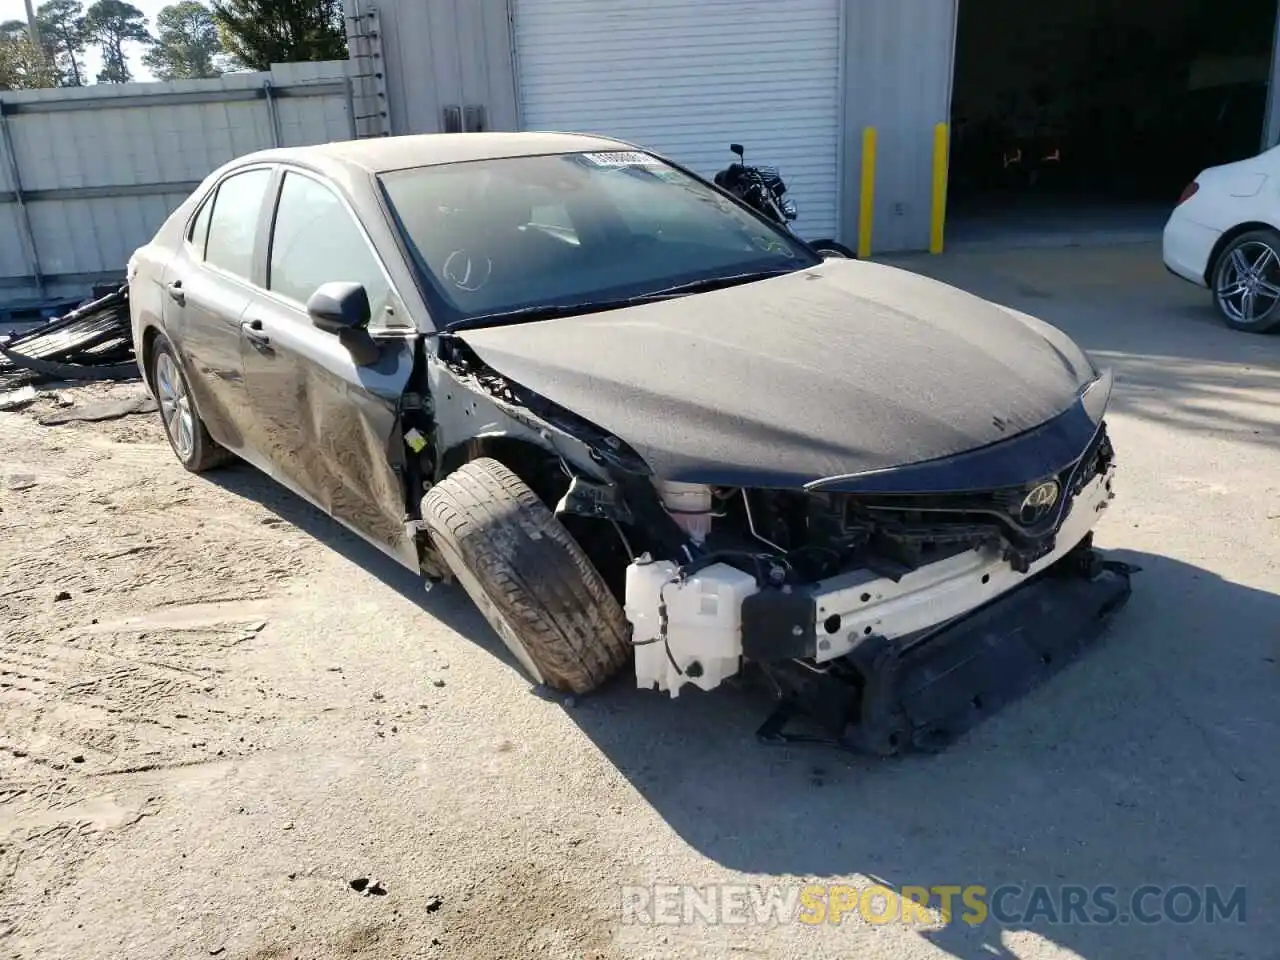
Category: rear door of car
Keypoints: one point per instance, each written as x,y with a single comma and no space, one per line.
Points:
328,423
208,285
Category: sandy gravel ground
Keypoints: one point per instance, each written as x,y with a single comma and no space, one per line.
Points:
218,709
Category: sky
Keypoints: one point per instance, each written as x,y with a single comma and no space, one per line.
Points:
16,10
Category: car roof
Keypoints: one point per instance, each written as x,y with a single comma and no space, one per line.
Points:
382,154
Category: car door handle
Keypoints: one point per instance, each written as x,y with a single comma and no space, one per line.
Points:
176,294
252,329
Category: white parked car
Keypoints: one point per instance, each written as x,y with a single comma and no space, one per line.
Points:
1224,234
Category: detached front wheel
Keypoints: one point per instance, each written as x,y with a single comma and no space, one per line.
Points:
527,575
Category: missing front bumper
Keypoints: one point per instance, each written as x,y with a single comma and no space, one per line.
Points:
887,696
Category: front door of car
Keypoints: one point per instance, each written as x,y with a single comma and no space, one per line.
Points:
326,419
208,286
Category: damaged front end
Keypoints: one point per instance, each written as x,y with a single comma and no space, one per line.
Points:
922,690
894,621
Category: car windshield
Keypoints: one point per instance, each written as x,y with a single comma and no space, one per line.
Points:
508,239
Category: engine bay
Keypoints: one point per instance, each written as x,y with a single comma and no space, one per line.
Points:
694,622
804,577
817,535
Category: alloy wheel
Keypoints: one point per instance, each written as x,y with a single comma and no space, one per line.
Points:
1249,282
175,406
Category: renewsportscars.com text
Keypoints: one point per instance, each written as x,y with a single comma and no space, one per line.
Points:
973,904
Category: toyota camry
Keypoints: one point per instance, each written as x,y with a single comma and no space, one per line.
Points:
642,426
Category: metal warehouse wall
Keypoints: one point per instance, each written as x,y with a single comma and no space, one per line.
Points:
88,174
899,59
437,54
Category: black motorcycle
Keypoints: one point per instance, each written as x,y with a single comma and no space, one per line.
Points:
763,189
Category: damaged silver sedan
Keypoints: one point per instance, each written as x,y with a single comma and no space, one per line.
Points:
640,424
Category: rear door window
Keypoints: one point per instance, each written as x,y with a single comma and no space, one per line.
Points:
315,240
200,227
233,224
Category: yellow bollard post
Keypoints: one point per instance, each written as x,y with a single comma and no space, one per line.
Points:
867,197
938,217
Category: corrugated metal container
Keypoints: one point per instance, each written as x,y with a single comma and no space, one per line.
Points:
445,53
13,255
899,63
100,167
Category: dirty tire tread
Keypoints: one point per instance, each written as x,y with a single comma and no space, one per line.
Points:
208,453
572,659
551,594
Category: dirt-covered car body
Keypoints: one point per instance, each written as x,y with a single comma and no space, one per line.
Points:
778,458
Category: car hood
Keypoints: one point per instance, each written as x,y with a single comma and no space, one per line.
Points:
845,368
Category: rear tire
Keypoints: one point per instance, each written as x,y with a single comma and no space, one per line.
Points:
1246,282
187,434
529,578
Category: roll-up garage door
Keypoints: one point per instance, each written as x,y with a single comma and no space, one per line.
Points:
685,78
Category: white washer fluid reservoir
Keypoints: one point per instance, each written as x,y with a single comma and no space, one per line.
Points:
703,623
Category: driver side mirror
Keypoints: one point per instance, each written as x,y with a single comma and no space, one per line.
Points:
339,306
737,148
342,309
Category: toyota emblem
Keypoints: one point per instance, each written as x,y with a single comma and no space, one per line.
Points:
1039,501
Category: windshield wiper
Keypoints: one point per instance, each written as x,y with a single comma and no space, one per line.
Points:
550,311
541,311
711,283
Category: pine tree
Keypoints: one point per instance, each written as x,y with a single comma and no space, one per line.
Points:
187,44
258,33
111,24
22,65
62,34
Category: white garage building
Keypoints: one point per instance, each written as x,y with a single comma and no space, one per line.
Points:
795,81
677,80
799,81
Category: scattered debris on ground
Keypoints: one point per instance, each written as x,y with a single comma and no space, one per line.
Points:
76,368
81,407
143,402
92,342
17,399
367,887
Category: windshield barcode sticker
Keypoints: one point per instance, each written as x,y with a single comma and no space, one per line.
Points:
622,158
